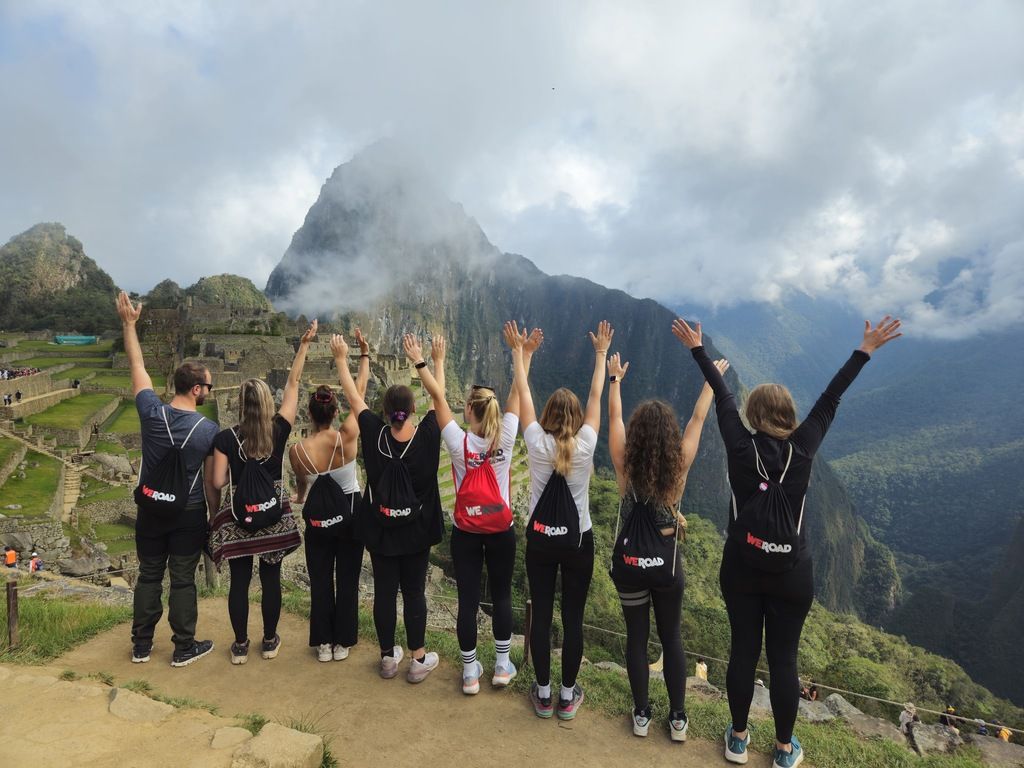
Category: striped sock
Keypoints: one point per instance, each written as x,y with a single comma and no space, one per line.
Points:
469,663
501,651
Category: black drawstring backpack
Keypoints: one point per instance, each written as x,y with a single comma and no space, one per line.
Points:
396,503
255,503
328,508
554,525
167,488
643,558
766,529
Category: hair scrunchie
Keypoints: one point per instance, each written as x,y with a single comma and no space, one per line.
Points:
398,416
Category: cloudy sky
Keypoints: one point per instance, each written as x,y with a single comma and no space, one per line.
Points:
688,151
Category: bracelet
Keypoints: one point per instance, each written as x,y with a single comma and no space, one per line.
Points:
364,354
601,351
421,364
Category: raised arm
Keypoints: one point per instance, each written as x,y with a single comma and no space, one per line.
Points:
129,317
812,430
435,389
601,342
734,433
530,345
616,427
694,427
363,373
520,382
290,401
438,349
339,348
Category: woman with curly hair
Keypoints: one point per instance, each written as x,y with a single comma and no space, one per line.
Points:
652,458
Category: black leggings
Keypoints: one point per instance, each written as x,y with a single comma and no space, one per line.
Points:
334,565
780,608
410,573
577,570
238,597
469,552
668,610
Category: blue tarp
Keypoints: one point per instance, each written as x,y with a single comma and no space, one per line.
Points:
76,340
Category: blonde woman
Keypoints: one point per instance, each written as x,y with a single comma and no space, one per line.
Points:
252,451
560,449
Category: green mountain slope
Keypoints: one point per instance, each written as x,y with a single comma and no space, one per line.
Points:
47,282
383,249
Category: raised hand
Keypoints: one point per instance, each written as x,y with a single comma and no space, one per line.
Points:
616,367
512,336
533,341
690,337
339,347
603,339
310,333
438,349
364,345
886,330
412,348
128,312
722,365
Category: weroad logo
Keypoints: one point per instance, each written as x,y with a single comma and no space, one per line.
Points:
250,508
550,530
483,509
642,562
768,546
328,522
157,495
389,512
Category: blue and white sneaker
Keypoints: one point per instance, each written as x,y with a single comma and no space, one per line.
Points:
789,759
736,749
503,675
471,680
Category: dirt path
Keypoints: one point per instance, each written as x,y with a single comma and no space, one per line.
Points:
375,722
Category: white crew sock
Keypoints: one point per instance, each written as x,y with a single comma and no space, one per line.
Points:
566,694
544,691
469,663
501,651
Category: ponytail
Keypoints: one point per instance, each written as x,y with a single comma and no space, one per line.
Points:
562,418
255,418
484,404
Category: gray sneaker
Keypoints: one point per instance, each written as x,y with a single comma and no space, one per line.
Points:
389,664
418,670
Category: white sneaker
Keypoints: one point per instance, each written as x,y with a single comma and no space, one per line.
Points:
418,670
471,684
504,675
323,652
677,728
641,722
389,664
340,653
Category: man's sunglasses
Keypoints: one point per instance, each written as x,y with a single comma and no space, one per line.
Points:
209,387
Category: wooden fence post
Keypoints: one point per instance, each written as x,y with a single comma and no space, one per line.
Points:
12,615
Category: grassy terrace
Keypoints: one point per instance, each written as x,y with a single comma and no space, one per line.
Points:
94,490
103,347
72,413
35,492
105,378
7,449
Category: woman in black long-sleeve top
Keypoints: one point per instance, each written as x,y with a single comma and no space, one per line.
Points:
755,598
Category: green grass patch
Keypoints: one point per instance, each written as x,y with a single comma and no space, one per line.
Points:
7,449
106,446
49,346
36,491
49,627
97,491
81,372
73,413
252,722
111,380
123,421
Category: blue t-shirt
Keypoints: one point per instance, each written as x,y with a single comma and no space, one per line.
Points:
156,442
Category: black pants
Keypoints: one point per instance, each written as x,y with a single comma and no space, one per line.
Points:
238,597
577,568
469,552
173,546
334,564
668,611
408,572
778,605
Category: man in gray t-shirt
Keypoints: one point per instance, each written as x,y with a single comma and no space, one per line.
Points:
169,543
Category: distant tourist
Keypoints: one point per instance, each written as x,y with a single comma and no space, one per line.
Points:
949,718
402,519
10,557
982,727
766,570
560,449
17,395
35,564
327,480
652,457
255,518
1003,733
907,717
170,529
482,525
700,669
812,692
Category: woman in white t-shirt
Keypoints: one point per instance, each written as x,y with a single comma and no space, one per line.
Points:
482,523
560,448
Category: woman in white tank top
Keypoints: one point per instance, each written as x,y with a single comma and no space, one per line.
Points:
334,554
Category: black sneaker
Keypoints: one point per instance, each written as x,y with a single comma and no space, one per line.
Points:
240,652
141,652
198,649
271,647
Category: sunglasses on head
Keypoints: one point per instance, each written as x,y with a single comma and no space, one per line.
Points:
481,386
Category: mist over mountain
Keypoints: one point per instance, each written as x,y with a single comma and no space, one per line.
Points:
382,249
47,282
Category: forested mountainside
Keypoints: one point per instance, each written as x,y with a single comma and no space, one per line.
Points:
383,249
